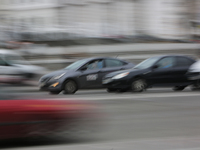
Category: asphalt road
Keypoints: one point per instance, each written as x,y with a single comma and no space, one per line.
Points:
155,119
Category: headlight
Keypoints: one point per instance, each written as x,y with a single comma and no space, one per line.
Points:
121,75
190,70
58,77
193,70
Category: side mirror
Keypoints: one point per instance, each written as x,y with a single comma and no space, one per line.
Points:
83,68
155,67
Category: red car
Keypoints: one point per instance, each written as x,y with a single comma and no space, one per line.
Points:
27,118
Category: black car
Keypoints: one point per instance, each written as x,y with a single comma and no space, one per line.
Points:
168,70
85,73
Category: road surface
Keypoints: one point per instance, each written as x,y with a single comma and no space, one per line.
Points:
155,119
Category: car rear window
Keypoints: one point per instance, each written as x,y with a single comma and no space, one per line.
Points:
113,63
183,61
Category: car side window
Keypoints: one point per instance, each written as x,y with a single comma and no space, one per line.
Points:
183,62
113,63
166,62
98,64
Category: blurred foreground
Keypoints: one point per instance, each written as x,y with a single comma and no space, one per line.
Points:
155,119
31,117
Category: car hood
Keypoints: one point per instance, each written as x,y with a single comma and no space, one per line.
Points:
136,71
118,72
58,72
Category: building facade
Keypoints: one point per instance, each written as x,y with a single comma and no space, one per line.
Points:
61,19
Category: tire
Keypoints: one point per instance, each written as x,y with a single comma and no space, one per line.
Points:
70,87
110,90
54,92
179,88
138,85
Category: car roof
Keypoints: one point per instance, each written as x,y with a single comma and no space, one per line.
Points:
94,58
173,55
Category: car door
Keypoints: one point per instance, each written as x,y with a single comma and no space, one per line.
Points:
162,73
181,67
89,77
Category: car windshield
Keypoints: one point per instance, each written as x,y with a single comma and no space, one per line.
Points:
76,64
146,63
15,59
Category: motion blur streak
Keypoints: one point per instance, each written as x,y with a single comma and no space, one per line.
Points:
51,20
44,32
38,37
42,117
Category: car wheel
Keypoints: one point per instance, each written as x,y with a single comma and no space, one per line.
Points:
54,92
70,87
179,88
138,85
110,90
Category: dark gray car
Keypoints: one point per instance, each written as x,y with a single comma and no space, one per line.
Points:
82,74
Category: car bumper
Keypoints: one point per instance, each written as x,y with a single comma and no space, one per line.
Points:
117,84
50,86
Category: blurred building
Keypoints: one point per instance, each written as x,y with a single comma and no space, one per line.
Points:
97,18
164,18
37,20
26,17
194,12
